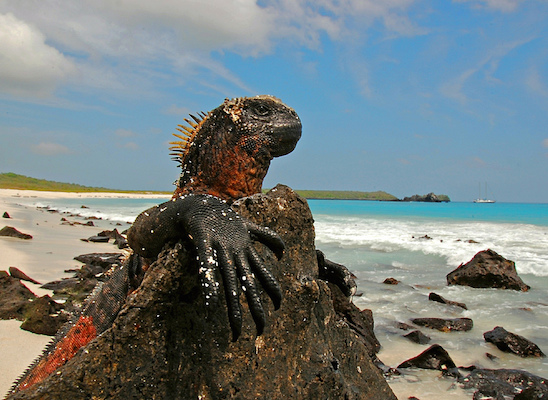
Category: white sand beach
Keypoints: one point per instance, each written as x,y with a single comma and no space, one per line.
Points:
45,257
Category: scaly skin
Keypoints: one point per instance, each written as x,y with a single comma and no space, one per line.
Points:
227,156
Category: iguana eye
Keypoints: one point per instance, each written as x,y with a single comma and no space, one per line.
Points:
262,110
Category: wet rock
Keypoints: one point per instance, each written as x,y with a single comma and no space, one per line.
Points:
10,231
18,274
512,343
360,321
437,298
97,239
505,384
403,326
5,215
445,325
42,316
487,270
435,357
165,343
15,297
391,281
104,260
418,337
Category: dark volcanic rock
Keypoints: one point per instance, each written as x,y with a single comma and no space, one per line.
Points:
5,215
418,337
15,297
429,198
76,288
42,316
445,325
18,274
104,260
512,343
437,298
166,344
119,240
487,270
435,357
504,384
98,239
12,232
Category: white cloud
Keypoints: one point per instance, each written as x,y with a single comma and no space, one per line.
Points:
27,64
50,149
498,5
454,88
119,43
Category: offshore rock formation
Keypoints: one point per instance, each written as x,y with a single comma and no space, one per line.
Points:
166,344
428,198
487,270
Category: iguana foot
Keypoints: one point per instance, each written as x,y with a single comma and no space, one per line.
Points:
224,244
337,274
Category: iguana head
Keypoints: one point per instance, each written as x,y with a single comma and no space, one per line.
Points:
227,151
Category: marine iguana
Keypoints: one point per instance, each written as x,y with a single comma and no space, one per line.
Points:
224,155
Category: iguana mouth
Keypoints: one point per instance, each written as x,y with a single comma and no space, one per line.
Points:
286,139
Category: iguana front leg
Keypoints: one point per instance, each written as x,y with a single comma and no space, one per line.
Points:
224,246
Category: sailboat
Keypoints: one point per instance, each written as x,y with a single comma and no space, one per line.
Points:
483,200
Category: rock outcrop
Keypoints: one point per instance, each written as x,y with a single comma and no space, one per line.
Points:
39,314
445,324
418,337
487,270
439,299
505,384
435,357
512,343
429,198
10,231
166,344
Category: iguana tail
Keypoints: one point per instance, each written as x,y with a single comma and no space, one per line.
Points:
98,313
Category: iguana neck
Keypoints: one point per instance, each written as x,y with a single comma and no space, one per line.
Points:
230,175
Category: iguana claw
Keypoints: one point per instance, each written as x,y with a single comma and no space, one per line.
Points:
224,244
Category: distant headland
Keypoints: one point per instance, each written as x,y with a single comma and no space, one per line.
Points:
11,180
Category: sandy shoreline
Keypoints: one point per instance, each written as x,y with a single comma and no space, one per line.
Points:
15,193
45,257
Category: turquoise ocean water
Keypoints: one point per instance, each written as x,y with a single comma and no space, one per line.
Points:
419,244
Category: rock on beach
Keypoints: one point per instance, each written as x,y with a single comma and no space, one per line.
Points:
166,344
10,231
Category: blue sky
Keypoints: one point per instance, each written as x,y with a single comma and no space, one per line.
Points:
406,96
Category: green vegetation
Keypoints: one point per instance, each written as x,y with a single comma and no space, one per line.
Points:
14,181
345,195
10,180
